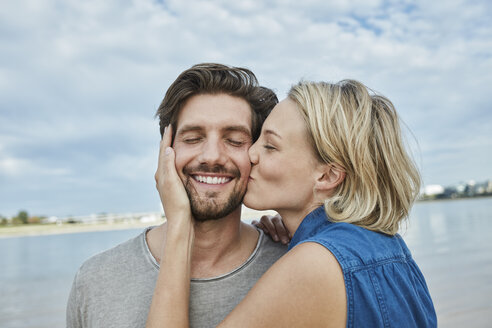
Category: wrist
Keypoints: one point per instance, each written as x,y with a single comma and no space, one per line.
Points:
180,228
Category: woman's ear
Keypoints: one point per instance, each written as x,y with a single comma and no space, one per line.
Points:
329,177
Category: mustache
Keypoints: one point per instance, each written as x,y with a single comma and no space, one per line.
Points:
205,168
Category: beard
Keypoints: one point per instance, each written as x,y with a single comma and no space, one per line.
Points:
209,207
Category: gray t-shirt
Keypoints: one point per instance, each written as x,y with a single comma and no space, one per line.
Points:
115,288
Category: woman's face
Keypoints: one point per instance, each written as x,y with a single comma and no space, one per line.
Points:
283,164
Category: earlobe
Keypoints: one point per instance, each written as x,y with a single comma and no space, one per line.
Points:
329,177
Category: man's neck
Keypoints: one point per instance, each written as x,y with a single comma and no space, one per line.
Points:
219,247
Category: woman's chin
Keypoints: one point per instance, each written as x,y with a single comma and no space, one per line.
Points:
252,202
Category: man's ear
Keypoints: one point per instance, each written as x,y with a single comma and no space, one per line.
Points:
329,177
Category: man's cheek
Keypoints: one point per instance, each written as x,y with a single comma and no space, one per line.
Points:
245,167
179,160
179,168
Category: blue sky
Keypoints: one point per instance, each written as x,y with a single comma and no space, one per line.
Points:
80,82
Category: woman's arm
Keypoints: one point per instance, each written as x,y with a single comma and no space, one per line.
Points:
170,302
169,306
305,288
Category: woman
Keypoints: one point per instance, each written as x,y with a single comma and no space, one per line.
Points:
330,160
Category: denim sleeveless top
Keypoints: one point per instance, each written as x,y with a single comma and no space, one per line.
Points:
383,284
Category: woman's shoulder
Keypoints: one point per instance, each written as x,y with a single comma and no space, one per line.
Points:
355,246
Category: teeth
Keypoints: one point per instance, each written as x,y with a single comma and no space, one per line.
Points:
210,180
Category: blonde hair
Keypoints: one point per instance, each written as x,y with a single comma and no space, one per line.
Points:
359,131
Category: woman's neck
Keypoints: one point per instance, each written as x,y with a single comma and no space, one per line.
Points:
292,218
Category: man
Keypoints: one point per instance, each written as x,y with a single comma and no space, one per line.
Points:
216,112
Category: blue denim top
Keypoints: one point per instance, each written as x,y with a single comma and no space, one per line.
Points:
384,285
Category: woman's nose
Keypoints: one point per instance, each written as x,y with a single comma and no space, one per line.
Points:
253,153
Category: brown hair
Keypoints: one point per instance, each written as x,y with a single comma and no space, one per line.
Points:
358,130
210,78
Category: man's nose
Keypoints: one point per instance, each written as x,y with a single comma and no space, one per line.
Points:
213,152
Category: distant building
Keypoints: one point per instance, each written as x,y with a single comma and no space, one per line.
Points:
433,190
460,190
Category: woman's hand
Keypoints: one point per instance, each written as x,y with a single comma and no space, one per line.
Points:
170,303
171,190
273,226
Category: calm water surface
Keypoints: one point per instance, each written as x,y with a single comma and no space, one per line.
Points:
450,241
37,272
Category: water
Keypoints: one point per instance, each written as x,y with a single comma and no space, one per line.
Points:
37,272
450,241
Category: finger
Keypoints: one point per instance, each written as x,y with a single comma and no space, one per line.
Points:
165,142
168,134
265,220
161,165
169,166
281,229
260,226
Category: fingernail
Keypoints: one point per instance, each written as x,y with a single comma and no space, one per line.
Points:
168,150
165,129
284,241
275,237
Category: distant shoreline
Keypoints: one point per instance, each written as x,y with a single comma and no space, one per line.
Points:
55,229
452,199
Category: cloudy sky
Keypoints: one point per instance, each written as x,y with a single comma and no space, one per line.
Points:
80,82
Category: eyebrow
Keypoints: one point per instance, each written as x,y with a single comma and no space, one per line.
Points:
197,128
238,128
272,133
188,128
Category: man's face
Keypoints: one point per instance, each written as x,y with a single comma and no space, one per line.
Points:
213,135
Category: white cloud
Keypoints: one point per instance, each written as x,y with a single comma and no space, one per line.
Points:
24,168
13,166
80,81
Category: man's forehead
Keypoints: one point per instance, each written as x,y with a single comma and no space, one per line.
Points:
223,112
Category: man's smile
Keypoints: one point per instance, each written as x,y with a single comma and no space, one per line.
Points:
211,179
